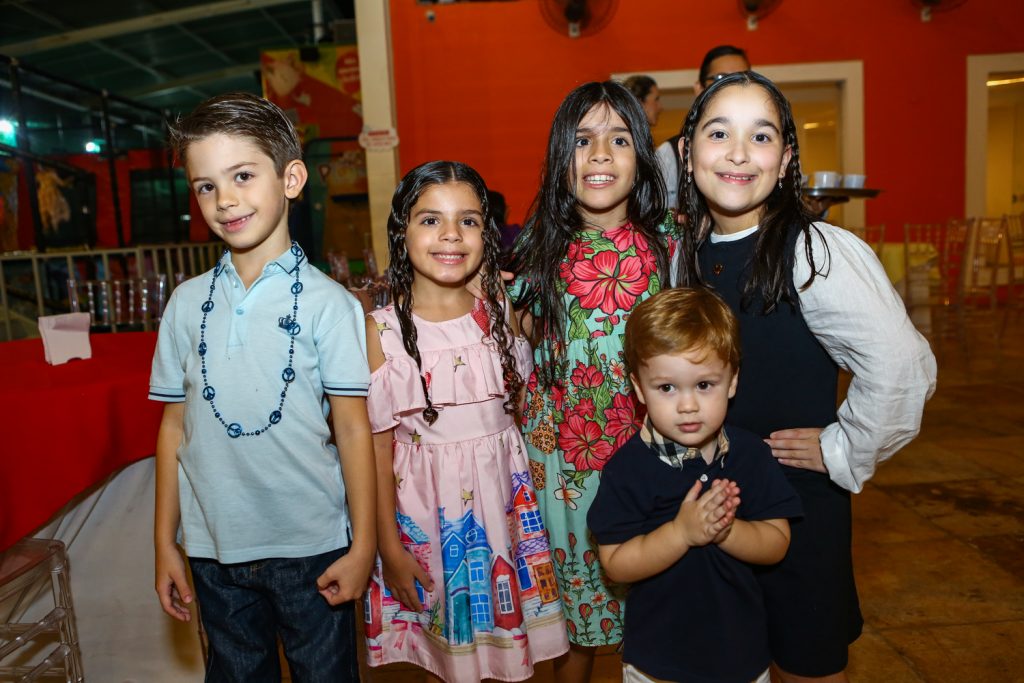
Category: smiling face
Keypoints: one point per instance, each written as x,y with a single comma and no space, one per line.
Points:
241,196
444,236
605,167
737,155
687,395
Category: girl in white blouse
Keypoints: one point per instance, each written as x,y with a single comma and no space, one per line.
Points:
811,298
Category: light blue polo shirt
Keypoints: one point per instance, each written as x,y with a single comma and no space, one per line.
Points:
278,494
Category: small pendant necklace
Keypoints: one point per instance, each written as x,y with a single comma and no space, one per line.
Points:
289,323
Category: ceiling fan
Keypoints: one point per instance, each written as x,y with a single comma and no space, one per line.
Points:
928,7
756,10
577,18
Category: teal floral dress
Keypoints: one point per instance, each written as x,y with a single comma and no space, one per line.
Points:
574,427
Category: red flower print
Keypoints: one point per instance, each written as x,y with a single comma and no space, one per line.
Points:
586,610
565,272
579,250
618,369
582,445
625,237
607,625
558,395
623,420
607,283
571,627
613,606
586,407
559,556
588,557
587,376
649,263
572,540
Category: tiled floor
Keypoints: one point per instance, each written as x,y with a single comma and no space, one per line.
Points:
939,535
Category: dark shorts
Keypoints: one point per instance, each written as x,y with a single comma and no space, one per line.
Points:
811,596
245,607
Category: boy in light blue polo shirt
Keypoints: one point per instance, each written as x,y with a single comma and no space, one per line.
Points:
257,360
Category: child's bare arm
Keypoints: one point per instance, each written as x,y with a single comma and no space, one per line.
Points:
761,542
399,567
346,579
171,583
700,519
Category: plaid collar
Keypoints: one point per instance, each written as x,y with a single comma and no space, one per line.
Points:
674,454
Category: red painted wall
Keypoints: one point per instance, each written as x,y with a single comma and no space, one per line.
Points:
481,82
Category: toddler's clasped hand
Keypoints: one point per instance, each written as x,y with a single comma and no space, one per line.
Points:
708,517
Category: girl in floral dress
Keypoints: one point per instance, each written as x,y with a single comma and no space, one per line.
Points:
593,248
465,584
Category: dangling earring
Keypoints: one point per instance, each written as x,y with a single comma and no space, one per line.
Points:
689,177
780,183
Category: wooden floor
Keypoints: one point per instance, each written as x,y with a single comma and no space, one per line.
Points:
938,534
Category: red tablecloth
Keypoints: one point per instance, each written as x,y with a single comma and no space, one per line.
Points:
67,427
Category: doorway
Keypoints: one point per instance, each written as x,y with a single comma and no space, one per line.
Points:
995,135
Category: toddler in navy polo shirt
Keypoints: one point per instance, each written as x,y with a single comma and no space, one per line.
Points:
688,506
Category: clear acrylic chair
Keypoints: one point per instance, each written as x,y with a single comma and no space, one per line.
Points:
932,285
23,568
873,235
1013,225
986,268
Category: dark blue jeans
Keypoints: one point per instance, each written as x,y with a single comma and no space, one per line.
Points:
246,606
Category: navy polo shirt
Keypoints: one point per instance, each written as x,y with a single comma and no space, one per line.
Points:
702,620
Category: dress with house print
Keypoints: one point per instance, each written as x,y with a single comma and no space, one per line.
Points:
465,509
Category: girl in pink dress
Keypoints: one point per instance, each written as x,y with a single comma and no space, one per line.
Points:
464,584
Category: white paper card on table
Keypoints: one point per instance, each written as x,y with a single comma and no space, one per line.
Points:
65,337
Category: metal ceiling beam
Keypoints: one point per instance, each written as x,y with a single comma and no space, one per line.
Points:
120,54
276,24
206,45
193,80
134,25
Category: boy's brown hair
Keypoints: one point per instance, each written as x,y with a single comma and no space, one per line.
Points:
240,114
678,320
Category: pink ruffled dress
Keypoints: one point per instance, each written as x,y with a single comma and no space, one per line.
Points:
466,510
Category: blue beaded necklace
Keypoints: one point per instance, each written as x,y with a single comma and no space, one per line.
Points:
289,323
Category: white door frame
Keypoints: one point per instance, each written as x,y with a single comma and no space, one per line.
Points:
976,155
850,77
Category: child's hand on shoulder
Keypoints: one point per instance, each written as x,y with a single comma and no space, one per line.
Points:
346,578
708,517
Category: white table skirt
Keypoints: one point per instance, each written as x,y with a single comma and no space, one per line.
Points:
125,637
